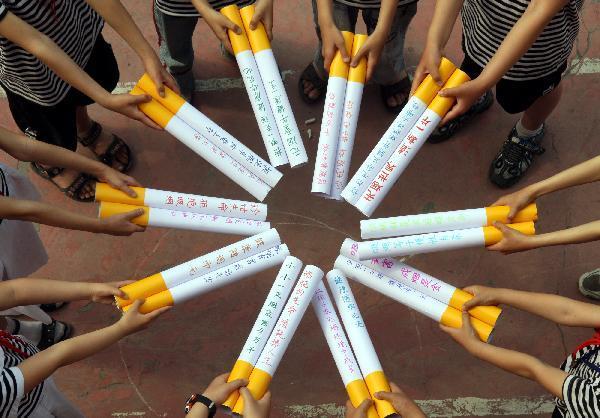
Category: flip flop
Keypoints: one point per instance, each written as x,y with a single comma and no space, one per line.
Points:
54,333
310,75
72,191
110,155
401,87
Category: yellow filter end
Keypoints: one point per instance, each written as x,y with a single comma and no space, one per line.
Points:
172,101
358,74
258,386
357,393
241,370
441,105
528,213
154,110
500,214
487,314
338,67
258,37
106,193
493,235
453,318
377,382
239,43
109,209
429,88
142,289
154,302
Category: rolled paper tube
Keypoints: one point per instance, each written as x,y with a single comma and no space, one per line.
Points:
166,218
409,297
389,173
162,199
282,334
352,101
333,111
424,283
437,241
213,132
255,89
360,340
174,276
442,221
215,280
278,99
203,147
396,132
340,349
261,330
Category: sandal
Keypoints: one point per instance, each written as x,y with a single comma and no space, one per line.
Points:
110,155
310,75
400,87
54,333
51,307
74,190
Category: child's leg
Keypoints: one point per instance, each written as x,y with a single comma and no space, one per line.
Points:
176,49
540,110
55,404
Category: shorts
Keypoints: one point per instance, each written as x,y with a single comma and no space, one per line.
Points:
517,96
56,124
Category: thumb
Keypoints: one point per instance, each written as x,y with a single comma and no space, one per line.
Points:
466,319
135,306
140,99
384,396
255,19
395,388
359,55
130,216
435,74
448,330
471,303
504,229
236,384
233,27
452,91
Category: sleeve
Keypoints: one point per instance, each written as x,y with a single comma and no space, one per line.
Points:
12,386
580,397
3,10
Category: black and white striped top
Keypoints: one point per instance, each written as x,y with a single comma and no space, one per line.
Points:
371,4
581,389
72,24
185,8
13,401
487,22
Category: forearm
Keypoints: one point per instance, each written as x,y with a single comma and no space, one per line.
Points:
31,291
444,18
386,16
325,12
576,235
586,172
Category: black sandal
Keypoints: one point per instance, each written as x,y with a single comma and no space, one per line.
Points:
52,307
73,191
49,334
310,75
110,155
402,87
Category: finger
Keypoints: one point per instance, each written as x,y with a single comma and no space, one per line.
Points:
155,314
327,58
233,27
513,211
133,214
139,99
159,83
268,24
500,202
457,110
466,319
364,407
131,181
247,396
341,46
119,293
503,228
221,378
499,246
448,330
258,16
135,306
395,388
359,55
470,304
124,187
383,396
451,91
236,384
170,82
435,74
371,64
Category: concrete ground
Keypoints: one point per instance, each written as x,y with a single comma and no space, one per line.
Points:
152,373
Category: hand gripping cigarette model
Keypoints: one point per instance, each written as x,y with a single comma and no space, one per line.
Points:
406,295
443,221
437,241
278,99
333,111
214,280
203,147
255,88
424,283
282,334
396,132
360,341
267,317
408,148
162,199
341,350
200,266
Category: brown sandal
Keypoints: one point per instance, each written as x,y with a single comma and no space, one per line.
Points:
109,157
74,190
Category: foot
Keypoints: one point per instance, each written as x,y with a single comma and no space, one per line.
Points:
515,158
312,87
101,144
589,284
65,179
396,95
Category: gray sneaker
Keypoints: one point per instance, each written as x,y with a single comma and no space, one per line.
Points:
589,284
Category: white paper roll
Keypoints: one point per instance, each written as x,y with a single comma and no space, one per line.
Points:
289,320
271,309
261,107
280,104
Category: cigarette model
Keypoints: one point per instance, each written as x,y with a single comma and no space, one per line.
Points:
255,89
332,118
213,132
214,280
278,99
409,297
437,241
203,147
424,283
408,148
352,101
443,221
174,276
341,350
162,199
261,330
396,132
167,218
360,340
282,334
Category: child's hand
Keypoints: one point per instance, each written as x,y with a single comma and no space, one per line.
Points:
372,50
219,390
219,24
513,241
133,321
405,406
466,94
120,224
117,180
429,64
254,408
516,201
105,292
333,41
360,411
482,296
263,13
159,74
465,335
127,104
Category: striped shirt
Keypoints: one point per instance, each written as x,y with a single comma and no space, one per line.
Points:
13,401
487,22
581,389
72,24
185,8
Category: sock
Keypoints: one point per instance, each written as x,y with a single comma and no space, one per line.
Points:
527,133
32,330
